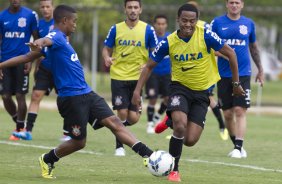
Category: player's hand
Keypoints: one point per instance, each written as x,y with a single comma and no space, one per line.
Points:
136,99
27,67
109,61
260,78
238,91
34,47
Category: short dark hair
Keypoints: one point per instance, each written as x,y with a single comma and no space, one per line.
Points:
160,16
62,11
188,7
125,1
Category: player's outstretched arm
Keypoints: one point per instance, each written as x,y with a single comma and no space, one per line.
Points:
146,72
232,58
29,57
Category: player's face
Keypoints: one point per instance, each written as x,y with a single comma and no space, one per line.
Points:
133,10
70,23
15,3
234,7
46,9
160,26
187,22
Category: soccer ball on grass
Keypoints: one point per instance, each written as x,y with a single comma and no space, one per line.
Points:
160,163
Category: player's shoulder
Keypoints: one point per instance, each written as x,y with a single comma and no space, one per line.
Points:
3,12
220,18
27,10
246,19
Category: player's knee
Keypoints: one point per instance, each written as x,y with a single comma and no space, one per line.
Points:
80,144
36,96
190,141
20,97
179,128
6,97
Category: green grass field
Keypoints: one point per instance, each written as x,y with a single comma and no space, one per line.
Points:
204,163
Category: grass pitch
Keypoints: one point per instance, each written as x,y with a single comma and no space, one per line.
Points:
207,162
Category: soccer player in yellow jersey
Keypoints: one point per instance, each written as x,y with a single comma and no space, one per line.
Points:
126,51
193,73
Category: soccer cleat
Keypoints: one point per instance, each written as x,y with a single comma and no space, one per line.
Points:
65,138
120,152
235,154
145,161
24,135
224,134
150,128
243,153
156,117
46,168
174,176
161,126
13,138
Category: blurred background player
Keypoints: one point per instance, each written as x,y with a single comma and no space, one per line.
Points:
126,51
239,33
166,122
17,24
158,83
43,77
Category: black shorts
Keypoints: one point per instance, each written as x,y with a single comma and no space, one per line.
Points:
77,111
43,80
157,85
122,92
194,103
14,80
225,90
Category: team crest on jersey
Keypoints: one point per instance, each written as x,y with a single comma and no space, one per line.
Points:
76,130
22,22
51,28
175,101
118,100
243,29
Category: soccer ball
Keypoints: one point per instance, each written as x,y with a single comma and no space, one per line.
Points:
160,163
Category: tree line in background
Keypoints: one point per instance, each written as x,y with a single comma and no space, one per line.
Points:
264,12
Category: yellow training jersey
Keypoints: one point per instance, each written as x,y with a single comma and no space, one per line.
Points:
130,51
192,65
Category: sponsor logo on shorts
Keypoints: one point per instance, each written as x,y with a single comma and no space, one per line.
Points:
175,101
76,130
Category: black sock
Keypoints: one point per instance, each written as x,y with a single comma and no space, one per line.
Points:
31,117
51,157
142,149
169,123
217,113
175,149
20,125
232,137
238,144
150,112
162,108
15,117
